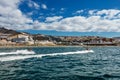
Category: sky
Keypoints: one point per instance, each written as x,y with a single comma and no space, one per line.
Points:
62,17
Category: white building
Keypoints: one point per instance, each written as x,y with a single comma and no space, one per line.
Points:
23,38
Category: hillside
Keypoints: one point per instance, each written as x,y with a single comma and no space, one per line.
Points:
8,31
66,40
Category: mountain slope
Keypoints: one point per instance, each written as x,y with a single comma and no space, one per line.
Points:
8,31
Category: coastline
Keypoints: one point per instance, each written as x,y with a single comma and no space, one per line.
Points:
33,46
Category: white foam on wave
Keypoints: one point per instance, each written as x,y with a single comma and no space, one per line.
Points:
18,52
19,57
67,53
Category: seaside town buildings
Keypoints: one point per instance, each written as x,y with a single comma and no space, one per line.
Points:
27,39
87,40
22,39
11,37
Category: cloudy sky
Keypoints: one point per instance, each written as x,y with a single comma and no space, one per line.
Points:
62,17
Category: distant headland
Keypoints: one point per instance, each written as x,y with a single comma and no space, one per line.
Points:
9,37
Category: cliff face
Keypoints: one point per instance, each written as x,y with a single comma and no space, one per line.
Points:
8,31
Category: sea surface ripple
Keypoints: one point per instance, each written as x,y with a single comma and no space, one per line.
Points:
41,64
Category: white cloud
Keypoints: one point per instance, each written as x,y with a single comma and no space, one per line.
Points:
52,19
30,13
11,16
32,4
97,21
111,13
36,5
44,6
79,11
62,9
92,12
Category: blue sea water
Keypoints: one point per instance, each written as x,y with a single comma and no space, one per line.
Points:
20,64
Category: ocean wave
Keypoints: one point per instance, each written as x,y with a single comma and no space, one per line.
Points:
76,77
31,54
18,52
111,76
20,57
